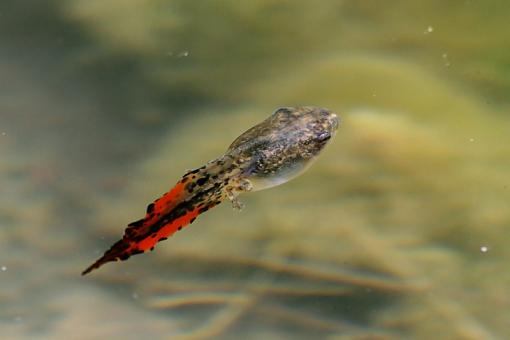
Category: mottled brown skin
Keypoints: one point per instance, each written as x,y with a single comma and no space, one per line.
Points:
284,145
268,154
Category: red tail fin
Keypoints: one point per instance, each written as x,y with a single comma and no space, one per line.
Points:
173,211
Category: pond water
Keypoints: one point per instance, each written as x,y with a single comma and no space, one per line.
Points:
399,231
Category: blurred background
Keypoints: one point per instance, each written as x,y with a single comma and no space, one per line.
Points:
399,231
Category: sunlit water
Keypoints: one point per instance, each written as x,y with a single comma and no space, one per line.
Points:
400,230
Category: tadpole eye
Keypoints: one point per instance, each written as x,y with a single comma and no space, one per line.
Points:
323,137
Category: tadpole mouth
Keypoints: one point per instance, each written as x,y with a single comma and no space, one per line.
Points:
333,118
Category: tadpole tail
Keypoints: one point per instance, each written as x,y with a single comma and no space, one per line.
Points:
198,191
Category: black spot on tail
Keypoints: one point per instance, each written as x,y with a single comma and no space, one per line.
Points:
193,172
138,223
124,257
201,181
150,208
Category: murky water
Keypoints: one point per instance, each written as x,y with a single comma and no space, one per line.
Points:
399,231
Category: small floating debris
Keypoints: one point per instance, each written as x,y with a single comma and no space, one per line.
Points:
446,60
177,55
429,30
484,249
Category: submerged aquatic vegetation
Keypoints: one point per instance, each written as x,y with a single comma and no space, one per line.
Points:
401,225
